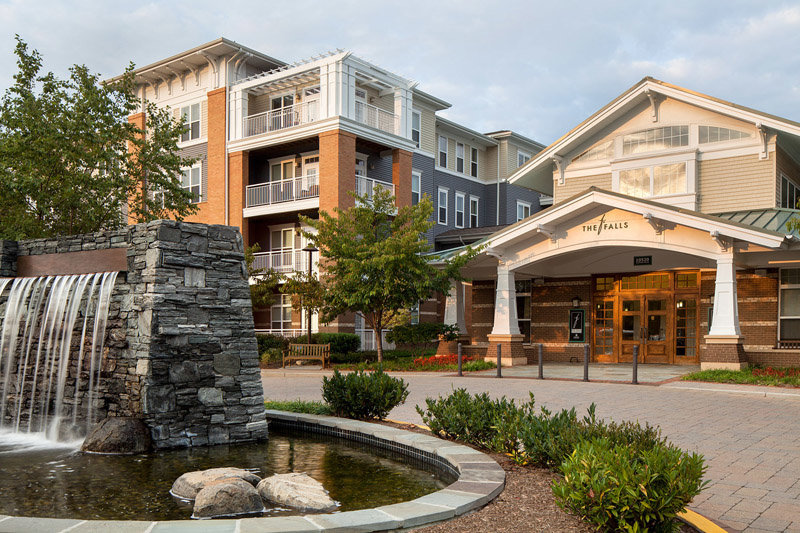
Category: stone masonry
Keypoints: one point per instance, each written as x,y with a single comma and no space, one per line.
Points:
181,351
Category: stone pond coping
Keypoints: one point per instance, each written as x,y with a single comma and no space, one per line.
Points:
479,479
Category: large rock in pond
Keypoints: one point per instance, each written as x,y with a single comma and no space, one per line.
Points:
227,497
299,491
118,435
189,484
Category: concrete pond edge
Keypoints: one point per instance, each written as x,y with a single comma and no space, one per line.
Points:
479,479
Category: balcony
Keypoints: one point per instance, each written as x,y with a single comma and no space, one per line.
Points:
291,194
366,186
283,261
281,119
377,118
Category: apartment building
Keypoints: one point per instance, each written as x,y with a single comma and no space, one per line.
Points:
668,236
276,140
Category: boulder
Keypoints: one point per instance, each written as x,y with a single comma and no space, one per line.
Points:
118,435
189,484
227,497
299,491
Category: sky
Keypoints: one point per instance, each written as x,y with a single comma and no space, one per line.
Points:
537,68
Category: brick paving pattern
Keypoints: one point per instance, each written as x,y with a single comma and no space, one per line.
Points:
751,439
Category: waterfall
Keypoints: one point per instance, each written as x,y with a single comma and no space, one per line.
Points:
45,379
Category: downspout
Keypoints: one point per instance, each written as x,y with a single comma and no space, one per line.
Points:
498,185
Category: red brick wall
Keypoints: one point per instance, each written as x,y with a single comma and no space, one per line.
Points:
337,171
401,176
550,305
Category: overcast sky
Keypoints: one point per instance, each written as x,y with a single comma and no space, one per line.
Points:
538,68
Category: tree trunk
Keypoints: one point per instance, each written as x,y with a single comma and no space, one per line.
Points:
376,324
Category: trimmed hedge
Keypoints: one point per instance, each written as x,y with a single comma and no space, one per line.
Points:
341,343
363,395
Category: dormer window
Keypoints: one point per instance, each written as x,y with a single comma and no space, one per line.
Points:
713,134
655,139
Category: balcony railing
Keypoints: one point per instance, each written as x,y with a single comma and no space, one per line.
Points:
285,332
367,186
280,119
283,261
376,117
289,190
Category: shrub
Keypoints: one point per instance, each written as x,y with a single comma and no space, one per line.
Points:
423,333
271,356
363,395
299,406
341,343
619,488
267,341
370,356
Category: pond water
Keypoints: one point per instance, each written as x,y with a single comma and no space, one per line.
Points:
42,481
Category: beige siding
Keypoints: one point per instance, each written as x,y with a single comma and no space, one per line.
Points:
204,119
428,133
490,167
575,185
257,104
503,159
511,159
735,183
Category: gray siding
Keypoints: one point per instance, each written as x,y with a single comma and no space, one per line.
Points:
380,168
511,193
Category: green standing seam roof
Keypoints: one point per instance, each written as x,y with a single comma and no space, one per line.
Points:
769,219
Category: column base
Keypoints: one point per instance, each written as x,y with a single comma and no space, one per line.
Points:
723,352
511,351
451,347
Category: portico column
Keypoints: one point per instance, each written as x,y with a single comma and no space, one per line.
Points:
454,315
505,330
723,348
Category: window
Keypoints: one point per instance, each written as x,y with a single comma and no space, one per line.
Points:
416,126
191,117
686,327
604,327
281,313
442,151
473,211
281,170
790,193
442,206
597,153
414,314
522,157
713,134
523,210
523,295
604,283
789,314
655,139
659,180
191,181
460,199
473,162
416,187
459,157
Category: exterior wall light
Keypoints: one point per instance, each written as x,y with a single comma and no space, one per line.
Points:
576,302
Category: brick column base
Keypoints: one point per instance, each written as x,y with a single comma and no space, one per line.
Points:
723,352
511,351
451,347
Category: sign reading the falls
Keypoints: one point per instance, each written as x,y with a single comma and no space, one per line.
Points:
602,225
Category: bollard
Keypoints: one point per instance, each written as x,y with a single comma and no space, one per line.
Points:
635,380
499,373
459,360
541,362
585,362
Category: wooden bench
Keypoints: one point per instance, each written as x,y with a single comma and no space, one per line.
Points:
308,352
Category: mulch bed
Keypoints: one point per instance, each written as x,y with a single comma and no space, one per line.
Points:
526,503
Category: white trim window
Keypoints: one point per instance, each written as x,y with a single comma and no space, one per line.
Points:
460,205
522,158
473,211
442,206
790,193
443,151
655,139
523,210
192,181
414,314
715,134
281,313
416,187
658,180
473,163
789,307
460,157
191,116
416,126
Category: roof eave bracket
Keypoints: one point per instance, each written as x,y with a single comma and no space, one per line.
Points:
654,102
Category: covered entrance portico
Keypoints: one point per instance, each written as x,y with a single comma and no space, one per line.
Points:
645,274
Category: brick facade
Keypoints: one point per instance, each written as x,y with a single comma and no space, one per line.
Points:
337,177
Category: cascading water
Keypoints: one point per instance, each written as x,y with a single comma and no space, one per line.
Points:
38,359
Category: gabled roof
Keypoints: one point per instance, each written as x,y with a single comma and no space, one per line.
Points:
538,172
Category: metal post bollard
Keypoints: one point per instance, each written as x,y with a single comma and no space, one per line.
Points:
459,360
585,362
499,373
541,362
635,380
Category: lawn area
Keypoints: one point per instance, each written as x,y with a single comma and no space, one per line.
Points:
775,376
445,363
299,406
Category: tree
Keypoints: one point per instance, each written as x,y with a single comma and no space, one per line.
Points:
372,260
309,291
263,282
70,162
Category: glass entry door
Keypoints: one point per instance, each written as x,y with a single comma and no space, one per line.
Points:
630,327
656,323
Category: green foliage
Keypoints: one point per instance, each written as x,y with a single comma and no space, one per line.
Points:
70,160
265,281
363,395
371,356
411,364
267,341
778,376
299,406
373,260
621,488
422,333
271,356
341,343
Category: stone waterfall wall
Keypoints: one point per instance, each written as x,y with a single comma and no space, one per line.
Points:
180,351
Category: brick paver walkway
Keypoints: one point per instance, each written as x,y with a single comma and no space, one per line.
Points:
751,441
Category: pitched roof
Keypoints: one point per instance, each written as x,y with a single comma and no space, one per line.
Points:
769,219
